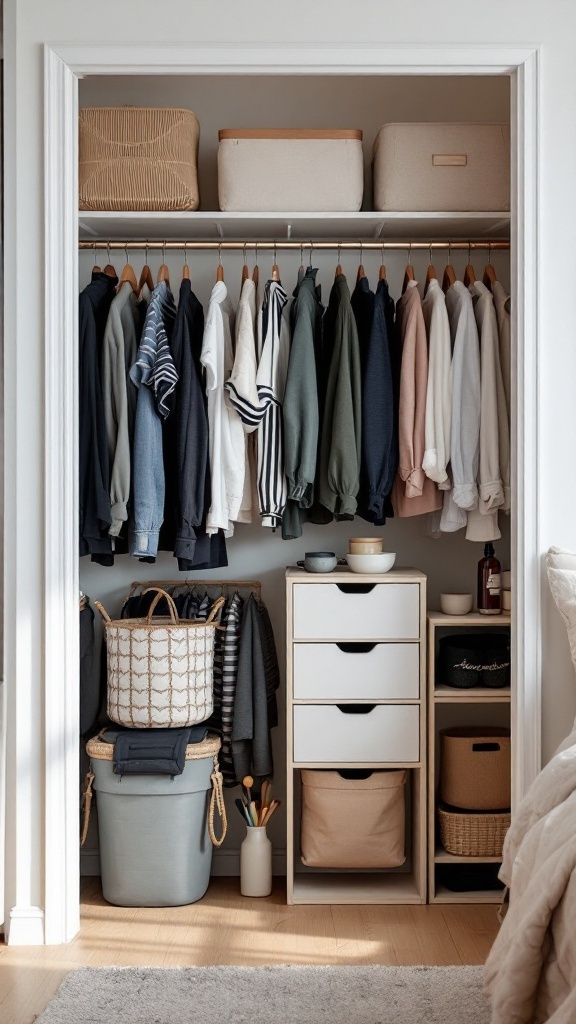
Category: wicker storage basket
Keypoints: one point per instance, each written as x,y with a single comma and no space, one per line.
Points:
138,158
473,835
475,767
160,670
353,821
296,170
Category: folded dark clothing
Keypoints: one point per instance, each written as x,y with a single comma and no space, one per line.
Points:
152,751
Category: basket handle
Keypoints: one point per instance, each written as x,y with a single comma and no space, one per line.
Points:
102,611
217,801
215,609
174,617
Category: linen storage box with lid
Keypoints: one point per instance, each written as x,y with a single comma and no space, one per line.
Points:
138,158
442,167
290,170
160,668
353,818
156,832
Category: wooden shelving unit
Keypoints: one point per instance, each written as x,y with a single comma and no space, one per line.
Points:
310,624
440,695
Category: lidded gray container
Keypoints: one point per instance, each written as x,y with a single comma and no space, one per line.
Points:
155,847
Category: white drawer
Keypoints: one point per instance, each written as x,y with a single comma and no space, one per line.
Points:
326,732
382,611
356,671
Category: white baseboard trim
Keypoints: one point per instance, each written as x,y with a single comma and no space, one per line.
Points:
25,927
225,863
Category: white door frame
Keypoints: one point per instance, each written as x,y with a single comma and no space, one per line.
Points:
63,66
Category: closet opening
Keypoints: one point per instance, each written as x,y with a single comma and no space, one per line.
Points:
210,244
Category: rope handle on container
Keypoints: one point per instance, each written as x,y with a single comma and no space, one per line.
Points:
215,609
102,611
174,617
217,800
86,805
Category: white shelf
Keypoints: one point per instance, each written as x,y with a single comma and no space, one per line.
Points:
473,695
441,856
355,888
214,225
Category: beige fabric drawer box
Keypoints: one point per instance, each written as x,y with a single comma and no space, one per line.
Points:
442,167
356,671
338,734
385,611
296,171
353,823
138,158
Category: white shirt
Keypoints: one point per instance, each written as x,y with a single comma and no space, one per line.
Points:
226,435
439,389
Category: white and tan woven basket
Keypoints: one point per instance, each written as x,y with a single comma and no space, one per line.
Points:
160,669
138,158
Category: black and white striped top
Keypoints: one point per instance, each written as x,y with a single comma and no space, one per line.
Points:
154,358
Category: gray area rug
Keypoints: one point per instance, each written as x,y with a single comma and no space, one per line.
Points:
270,995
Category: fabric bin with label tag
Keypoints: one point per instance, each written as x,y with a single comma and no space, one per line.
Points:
353,819
138,158
477,659
442,167
290,170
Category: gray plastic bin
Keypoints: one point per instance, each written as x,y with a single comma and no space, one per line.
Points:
155,850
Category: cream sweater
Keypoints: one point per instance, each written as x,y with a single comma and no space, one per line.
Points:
439,389
494,478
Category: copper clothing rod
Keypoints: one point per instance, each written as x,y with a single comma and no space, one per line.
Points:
486,244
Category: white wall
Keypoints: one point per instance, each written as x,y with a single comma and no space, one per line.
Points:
29,24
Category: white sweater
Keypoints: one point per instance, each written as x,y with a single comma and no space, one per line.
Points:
226,435
439,389
494,436
465,429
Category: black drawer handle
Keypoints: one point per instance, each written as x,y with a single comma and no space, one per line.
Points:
358,774
355,648
356,709
486,746
356,588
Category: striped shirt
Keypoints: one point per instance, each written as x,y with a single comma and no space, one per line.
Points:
232,621
154,358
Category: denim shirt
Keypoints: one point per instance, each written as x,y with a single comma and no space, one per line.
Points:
155,370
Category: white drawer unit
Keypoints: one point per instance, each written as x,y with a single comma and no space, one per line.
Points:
356,611
356,670
356,733
355,689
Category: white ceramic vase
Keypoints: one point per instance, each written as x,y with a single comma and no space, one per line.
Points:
256,863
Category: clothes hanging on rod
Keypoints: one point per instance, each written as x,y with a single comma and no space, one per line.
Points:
312,408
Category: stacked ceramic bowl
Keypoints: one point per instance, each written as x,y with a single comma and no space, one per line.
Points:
366,555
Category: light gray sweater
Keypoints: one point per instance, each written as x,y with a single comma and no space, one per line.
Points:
465,427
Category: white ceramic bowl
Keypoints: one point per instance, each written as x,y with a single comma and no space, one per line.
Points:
455,604
366,545
382,562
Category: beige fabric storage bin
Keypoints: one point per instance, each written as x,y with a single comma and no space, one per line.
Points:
475,767
436,167
138,158
352,822
296,171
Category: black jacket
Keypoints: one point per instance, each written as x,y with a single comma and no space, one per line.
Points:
379,414
95,516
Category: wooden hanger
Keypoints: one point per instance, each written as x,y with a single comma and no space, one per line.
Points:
129,275
220,271
409,272
245,271
449,273
109,269
96,269
361,272
256,272
164,272
185,268
275,267
469,275
431,274
338,272
382,271
146,275
489,278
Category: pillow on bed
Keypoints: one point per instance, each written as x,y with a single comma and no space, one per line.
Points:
561,566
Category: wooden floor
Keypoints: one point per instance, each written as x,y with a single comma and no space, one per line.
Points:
226,928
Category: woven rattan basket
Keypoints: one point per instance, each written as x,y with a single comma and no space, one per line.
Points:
160,670
138,158
473,835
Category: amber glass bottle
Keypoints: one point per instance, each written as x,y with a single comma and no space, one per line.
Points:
489,583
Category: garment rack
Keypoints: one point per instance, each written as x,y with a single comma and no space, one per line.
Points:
254,585
239,246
